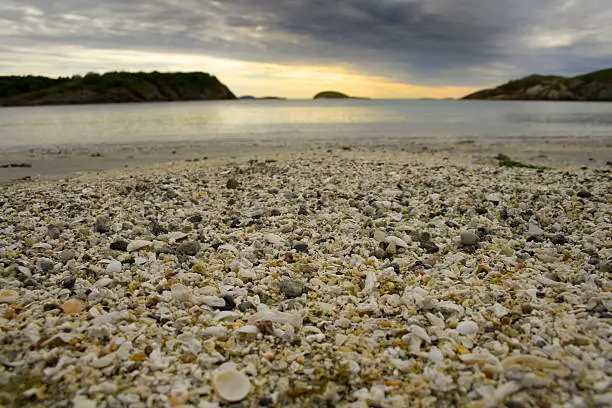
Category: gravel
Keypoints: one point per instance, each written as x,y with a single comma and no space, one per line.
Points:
504,301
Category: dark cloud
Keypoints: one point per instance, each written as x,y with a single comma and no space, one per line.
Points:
463,42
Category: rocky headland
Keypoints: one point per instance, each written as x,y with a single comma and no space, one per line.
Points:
111,87
595,86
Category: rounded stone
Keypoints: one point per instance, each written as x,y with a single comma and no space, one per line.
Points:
469,238
292,288
189,248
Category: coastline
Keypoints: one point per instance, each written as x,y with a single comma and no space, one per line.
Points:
342,274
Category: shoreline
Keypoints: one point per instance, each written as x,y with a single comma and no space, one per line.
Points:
350,276
56,162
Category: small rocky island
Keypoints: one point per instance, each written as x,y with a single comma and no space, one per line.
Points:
111,87
594,86
331,95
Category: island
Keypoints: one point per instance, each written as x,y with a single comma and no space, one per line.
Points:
594,86
331,95
111,87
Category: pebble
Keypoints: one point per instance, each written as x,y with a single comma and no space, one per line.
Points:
469,238
53,232
342,291
189,248
67,255
119,245
300,247
45,264
232,184
584,194
292,288
100,225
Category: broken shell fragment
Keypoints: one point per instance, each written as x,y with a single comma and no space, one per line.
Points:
231,385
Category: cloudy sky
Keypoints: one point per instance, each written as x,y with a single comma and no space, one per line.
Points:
295,48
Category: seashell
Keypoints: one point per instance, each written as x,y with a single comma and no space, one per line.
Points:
212,301
247,331
370,282
73,306
113,267
231,385
138,244
226,315
419,332
435,355
467,327
277,316
400,243
536,363
176,236
9,296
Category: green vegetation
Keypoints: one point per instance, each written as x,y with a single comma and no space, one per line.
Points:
505,161
111,87
594,86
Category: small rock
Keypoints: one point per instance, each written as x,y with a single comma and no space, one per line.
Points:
273,239
584,194
559,239
73,306
189,248
275,212
300,247
68,283
119,245
302,210
605,266
67,254
229,303
244,306
232,184
429,247
292,288
534,231
45,264
100,225
53,232
469,238
467,327
195,219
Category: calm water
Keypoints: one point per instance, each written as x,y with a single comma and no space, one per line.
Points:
287,121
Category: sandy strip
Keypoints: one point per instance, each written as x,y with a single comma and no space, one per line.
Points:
333,276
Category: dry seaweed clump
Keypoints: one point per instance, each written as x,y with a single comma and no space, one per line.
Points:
340,280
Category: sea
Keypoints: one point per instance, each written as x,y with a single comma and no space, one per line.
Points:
287,121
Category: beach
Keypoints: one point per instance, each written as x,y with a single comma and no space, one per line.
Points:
321,274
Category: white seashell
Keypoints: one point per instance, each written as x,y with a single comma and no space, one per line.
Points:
226,315
42,245
231,385
435,355
138,244
9,296
215,331
293,319
228,247
535,362
181,292
400,243
104,361
247,331
176,236
467,327
499,310
113,267
273,239
370,282
103,282
420,333
212,301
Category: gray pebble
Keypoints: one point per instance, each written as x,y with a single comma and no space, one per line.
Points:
44,264
292,288
189,248
68,283
244,306
100,225
53,232
67,254
302,210
605,266
469,238
584,194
